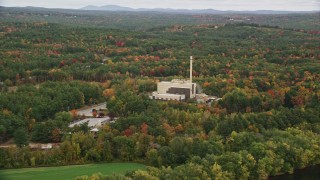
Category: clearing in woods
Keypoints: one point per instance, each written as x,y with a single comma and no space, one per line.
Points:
68,172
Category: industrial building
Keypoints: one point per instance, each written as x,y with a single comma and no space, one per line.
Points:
176,89
180,90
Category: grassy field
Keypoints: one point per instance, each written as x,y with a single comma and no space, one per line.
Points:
67,172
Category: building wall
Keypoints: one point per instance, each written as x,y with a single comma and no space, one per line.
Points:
163,87
178,97
177,90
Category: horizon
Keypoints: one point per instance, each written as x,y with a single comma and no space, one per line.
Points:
226,5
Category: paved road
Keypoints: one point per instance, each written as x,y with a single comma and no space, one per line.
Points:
88,112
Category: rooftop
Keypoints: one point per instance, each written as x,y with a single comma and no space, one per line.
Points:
92,122
181,81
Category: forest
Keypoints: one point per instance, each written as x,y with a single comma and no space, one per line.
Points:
265,68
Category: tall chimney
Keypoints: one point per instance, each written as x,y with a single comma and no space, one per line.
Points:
191,69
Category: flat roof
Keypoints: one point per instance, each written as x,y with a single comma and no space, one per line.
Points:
91,121
170,82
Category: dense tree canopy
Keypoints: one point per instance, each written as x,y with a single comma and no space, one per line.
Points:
265,71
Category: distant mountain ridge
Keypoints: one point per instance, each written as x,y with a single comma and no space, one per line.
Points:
107,8
188,11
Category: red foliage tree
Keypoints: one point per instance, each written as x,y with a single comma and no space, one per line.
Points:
144,128
128,132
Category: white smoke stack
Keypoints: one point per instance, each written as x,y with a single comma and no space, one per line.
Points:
191,69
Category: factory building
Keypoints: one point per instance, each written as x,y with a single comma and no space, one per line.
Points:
176,89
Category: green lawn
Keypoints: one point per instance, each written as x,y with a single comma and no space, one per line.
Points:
67,172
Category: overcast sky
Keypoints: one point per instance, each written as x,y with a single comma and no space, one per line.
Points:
289,5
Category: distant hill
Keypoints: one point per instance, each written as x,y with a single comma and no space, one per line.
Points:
107,8
186,11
